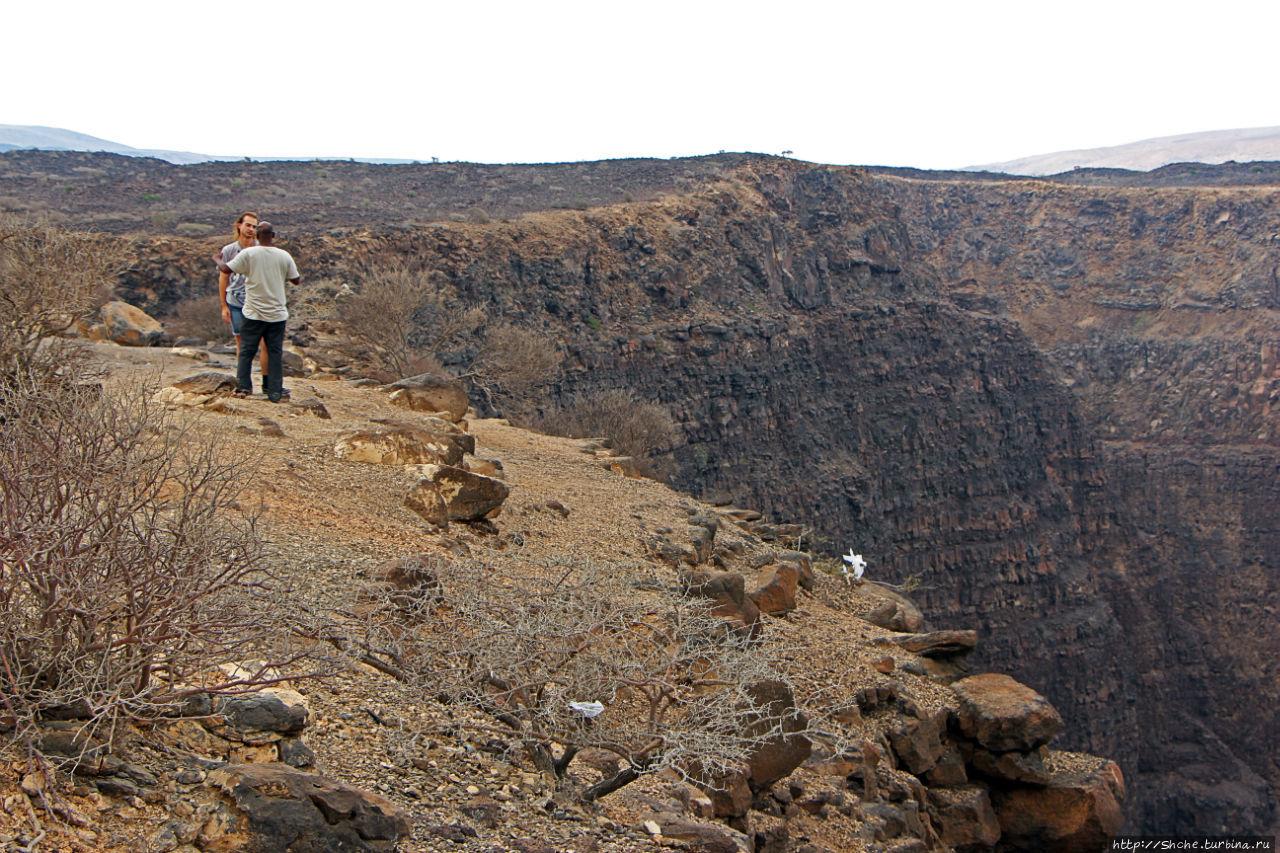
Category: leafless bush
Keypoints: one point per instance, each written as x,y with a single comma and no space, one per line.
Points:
49,280
510,366
199,317
397,316
638,428
527,656
127,573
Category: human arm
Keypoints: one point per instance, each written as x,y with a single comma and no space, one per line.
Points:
224,278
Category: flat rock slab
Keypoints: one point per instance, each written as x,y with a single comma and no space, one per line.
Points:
207,382
1002,714
939,644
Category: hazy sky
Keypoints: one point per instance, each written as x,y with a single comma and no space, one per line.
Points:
893,82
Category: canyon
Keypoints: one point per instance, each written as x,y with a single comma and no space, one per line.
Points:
1048,406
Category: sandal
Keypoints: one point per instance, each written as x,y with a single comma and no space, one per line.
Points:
240,394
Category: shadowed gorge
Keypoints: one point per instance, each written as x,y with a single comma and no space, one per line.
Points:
1051,405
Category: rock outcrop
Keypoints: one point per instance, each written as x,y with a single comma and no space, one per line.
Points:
1050,404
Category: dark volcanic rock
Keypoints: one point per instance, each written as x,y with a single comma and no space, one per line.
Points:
281,808
1050,403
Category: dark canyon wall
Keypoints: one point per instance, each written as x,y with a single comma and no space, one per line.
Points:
1053,406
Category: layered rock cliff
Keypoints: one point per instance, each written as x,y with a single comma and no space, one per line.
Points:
1052,406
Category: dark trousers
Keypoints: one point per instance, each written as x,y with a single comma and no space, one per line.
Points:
272,337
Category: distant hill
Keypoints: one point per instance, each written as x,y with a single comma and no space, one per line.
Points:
15,137
20,136
1215,146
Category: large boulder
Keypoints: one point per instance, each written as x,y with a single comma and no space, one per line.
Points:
776,595
964,818
429,392
782,748
399,446
207,382
727,593
894,611
1078,811
277,807
466,496
939,644
130,326
918,742
1002,714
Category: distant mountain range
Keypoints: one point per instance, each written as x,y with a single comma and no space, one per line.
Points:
18,136
21,136
1214,146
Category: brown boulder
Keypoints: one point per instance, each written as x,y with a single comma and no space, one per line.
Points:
398,446
209,382
939,644
132,327
428,392
1077,812
777,593
895,612
727,593
466,496
964,818
1002,714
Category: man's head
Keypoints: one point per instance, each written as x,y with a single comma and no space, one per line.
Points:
246,225
265,233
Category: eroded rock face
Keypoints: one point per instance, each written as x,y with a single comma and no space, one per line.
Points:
1052,403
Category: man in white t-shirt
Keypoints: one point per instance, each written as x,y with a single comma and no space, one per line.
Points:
266,269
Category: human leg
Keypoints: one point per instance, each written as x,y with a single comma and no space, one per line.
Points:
273,342
251,333
237,320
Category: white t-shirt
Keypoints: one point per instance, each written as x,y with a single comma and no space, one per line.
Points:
266,269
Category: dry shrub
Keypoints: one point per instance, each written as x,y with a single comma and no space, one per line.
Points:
510,366
199,317
127,571
50,280
396,317
638,428
514,650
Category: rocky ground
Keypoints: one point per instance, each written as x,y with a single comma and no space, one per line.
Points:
330,522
